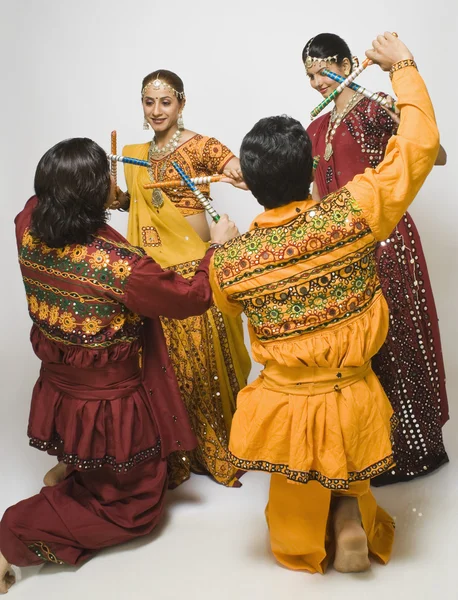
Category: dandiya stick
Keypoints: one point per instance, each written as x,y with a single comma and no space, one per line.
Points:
128,160
114,164
361,90
198,194
180,182
316,111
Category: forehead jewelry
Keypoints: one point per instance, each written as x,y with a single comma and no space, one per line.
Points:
311,61
157,84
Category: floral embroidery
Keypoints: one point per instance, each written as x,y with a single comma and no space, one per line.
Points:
91,325
43,311
119,321
79,253
99,260
121,268
73,313
33,304
53,315
312,293
67,322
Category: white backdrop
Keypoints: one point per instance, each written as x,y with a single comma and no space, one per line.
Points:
75,69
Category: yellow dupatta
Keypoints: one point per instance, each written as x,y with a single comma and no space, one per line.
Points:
164,233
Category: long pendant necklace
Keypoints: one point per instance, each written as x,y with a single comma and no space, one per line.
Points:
157,199
334,121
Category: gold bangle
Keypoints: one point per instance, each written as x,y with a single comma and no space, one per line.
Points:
409,62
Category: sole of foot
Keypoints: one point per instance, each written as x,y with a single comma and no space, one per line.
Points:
352,555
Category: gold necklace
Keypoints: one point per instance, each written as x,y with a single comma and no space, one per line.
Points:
337,120
157,199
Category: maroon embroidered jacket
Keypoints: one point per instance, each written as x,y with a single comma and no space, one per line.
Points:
94,308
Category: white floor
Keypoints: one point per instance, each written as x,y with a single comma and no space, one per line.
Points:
213,545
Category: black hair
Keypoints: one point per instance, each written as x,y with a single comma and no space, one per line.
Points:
327,44
72,183
168,77
276,161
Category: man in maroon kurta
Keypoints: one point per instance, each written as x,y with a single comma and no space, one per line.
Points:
94,306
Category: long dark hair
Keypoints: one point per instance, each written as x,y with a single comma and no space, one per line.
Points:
72,183
327,44
276,161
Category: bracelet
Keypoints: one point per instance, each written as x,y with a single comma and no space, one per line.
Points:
408,62
214,245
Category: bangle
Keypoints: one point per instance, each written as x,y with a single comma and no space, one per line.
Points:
408,62
214,245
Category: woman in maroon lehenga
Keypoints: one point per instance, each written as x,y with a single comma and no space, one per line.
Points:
349,139
95,302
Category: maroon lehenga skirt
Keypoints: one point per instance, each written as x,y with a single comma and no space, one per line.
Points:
410,364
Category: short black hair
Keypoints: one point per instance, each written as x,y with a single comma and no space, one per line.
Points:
276,161
72,183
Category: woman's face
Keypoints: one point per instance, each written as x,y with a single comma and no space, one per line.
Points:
323,84
161,108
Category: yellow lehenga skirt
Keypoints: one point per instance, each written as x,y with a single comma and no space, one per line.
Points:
209,356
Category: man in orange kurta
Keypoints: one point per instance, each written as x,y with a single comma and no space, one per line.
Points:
305,277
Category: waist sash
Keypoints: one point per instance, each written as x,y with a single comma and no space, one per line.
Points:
311,381
110,382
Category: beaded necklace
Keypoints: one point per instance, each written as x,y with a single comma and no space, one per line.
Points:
170,146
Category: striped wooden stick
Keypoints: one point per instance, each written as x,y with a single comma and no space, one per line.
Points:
179,182
361,90
128,160
114,164
316,111
198,194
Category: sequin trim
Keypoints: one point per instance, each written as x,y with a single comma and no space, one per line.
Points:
305,476
94,463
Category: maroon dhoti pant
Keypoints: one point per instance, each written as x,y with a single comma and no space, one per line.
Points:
86,512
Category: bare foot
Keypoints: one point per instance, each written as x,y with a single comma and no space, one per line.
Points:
55,475
7,577
352,554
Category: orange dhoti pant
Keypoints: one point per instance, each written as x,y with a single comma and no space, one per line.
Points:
301,537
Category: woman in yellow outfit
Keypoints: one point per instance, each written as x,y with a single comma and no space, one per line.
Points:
207,352
317,417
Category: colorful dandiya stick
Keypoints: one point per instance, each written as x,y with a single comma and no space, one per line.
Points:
316,111
197,193
114,164
128,160
180,182
361,90
316,160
